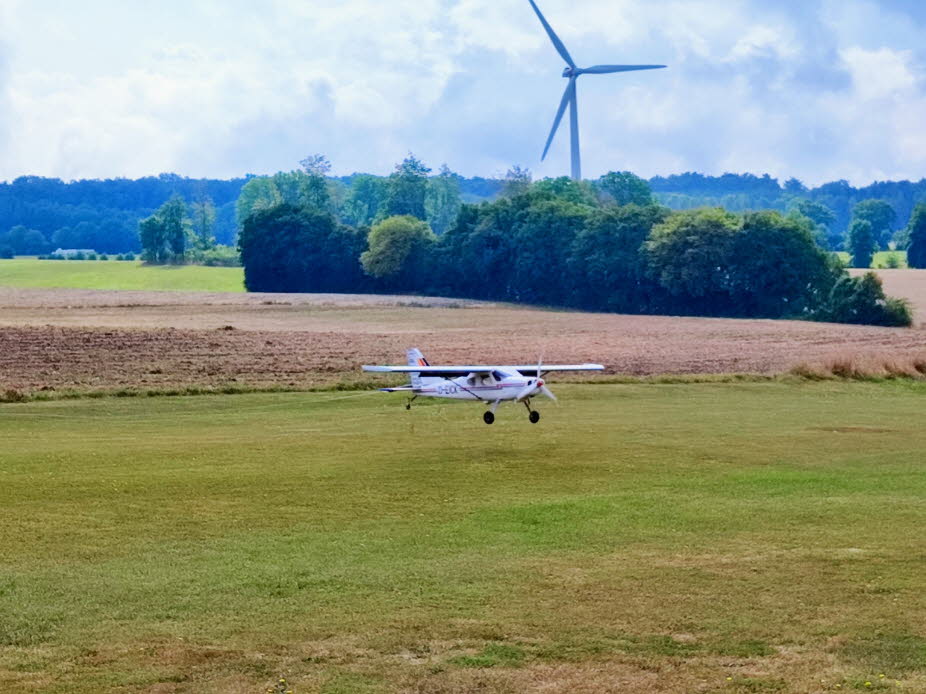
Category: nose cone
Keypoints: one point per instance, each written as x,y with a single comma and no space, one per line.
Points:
569,72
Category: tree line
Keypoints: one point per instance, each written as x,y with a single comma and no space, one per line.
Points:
606,245
833,205
104,215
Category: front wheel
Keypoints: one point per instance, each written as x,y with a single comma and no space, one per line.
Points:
534,417
488,418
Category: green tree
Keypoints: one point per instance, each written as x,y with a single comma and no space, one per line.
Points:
916,249
407,189
314,189
164,235
861,243
294,188
823,219
316,165
442,202
625,188
778,269
24,241
475,256
337,192
259,193
880,215
566,189
203,219
295,249
541,235
691,255
109,236
398,252
517,182
63,238
177,227
153,242
365,200
301,189
861,300
608,262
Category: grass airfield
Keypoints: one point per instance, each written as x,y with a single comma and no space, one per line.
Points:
756,537
118,274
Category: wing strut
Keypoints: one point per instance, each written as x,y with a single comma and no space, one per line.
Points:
466,390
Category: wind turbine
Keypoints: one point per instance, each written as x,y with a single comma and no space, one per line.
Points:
573,72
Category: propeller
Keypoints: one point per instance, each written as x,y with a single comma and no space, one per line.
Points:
537,385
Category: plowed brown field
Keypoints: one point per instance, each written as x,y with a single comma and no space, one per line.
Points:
89,340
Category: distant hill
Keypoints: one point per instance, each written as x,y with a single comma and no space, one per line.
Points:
741,192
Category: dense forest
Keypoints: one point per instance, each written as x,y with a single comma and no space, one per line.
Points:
606,245
39,215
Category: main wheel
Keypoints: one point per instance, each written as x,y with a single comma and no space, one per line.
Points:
488,418
535,417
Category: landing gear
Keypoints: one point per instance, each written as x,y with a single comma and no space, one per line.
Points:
534,415
408,405
488,418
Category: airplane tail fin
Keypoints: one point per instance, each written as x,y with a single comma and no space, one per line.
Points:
416,358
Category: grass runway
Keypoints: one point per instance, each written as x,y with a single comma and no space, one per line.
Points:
657,538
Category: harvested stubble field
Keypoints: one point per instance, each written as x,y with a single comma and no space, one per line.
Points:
99,340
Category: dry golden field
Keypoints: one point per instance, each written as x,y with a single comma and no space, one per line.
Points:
100,340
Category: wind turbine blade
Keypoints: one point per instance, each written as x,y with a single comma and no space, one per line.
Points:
560,47
606,69
567,96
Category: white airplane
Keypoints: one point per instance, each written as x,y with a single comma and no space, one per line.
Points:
491,385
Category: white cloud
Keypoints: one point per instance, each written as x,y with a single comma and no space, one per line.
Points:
880,73
222,87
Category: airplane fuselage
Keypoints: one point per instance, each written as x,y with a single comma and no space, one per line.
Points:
487,384
495,387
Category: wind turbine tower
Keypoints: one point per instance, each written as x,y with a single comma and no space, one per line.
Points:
572,73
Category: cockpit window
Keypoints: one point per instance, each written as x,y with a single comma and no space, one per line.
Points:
499,376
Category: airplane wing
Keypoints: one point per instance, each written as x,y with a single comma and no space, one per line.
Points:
434,371
531,370
450,371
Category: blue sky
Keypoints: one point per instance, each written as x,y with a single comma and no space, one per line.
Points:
818,89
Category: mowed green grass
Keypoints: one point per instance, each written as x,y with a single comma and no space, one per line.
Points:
112,274
722,538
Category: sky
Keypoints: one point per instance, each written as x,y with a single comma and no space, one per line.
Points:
817,89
